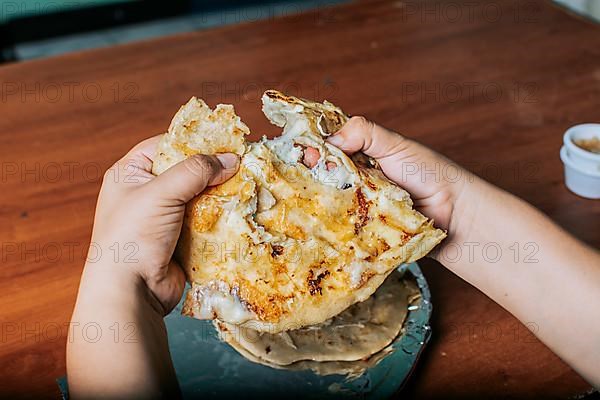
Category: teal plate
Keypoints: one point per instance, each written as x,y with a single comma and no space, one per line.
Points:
209,368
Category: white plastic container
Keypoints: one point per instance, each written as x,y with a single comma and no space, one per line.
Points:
582,167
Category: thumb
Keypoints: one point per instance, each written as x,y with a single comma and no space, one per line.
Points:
360,134
190,177
404,161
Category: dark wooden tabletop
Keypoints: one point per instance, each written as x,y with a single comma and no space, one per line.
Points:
491,84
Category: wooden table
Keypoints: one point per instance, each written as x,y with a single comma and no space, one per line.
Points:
493,85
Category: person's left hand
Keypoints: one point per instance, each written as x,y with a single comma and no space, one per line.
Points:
139,216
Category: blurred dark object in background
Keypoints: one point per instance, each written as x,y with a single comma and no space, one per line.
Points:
27,22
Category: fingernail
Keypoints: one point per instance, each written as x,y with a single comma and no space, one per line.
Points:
228,160
336,140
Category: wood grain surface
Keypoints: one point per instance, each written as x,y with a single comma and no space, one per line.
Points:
491,84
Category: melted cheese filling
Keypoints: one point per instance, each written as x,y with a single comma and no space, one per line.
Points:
297,132
215,298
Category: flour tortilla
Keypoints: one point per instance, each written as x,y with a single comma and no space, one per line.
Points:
351,369
356,334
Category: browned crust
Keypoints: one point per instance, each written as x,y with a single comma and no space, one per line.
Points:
333,117
361,211
314,283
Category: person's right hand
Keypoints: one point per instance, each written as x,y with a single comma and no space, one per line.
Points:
434,182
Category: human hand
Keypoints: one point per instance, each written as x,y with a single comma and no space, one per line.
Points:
130,281
480,217
142,215
416,168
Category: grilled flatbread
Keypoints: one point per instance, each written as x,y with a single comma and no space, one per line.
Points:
351,369
301,232
357,333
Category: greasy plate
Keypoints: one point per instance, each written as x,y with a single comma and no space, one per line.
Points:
209,368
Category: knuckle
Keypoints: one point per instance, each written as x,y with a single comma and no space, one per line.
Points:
133,151
359,120
361,123
111,175
141,145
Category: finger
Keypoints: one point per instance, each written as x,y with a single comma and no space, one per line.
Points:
360,134
187,179
148,146
142,154
404,161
